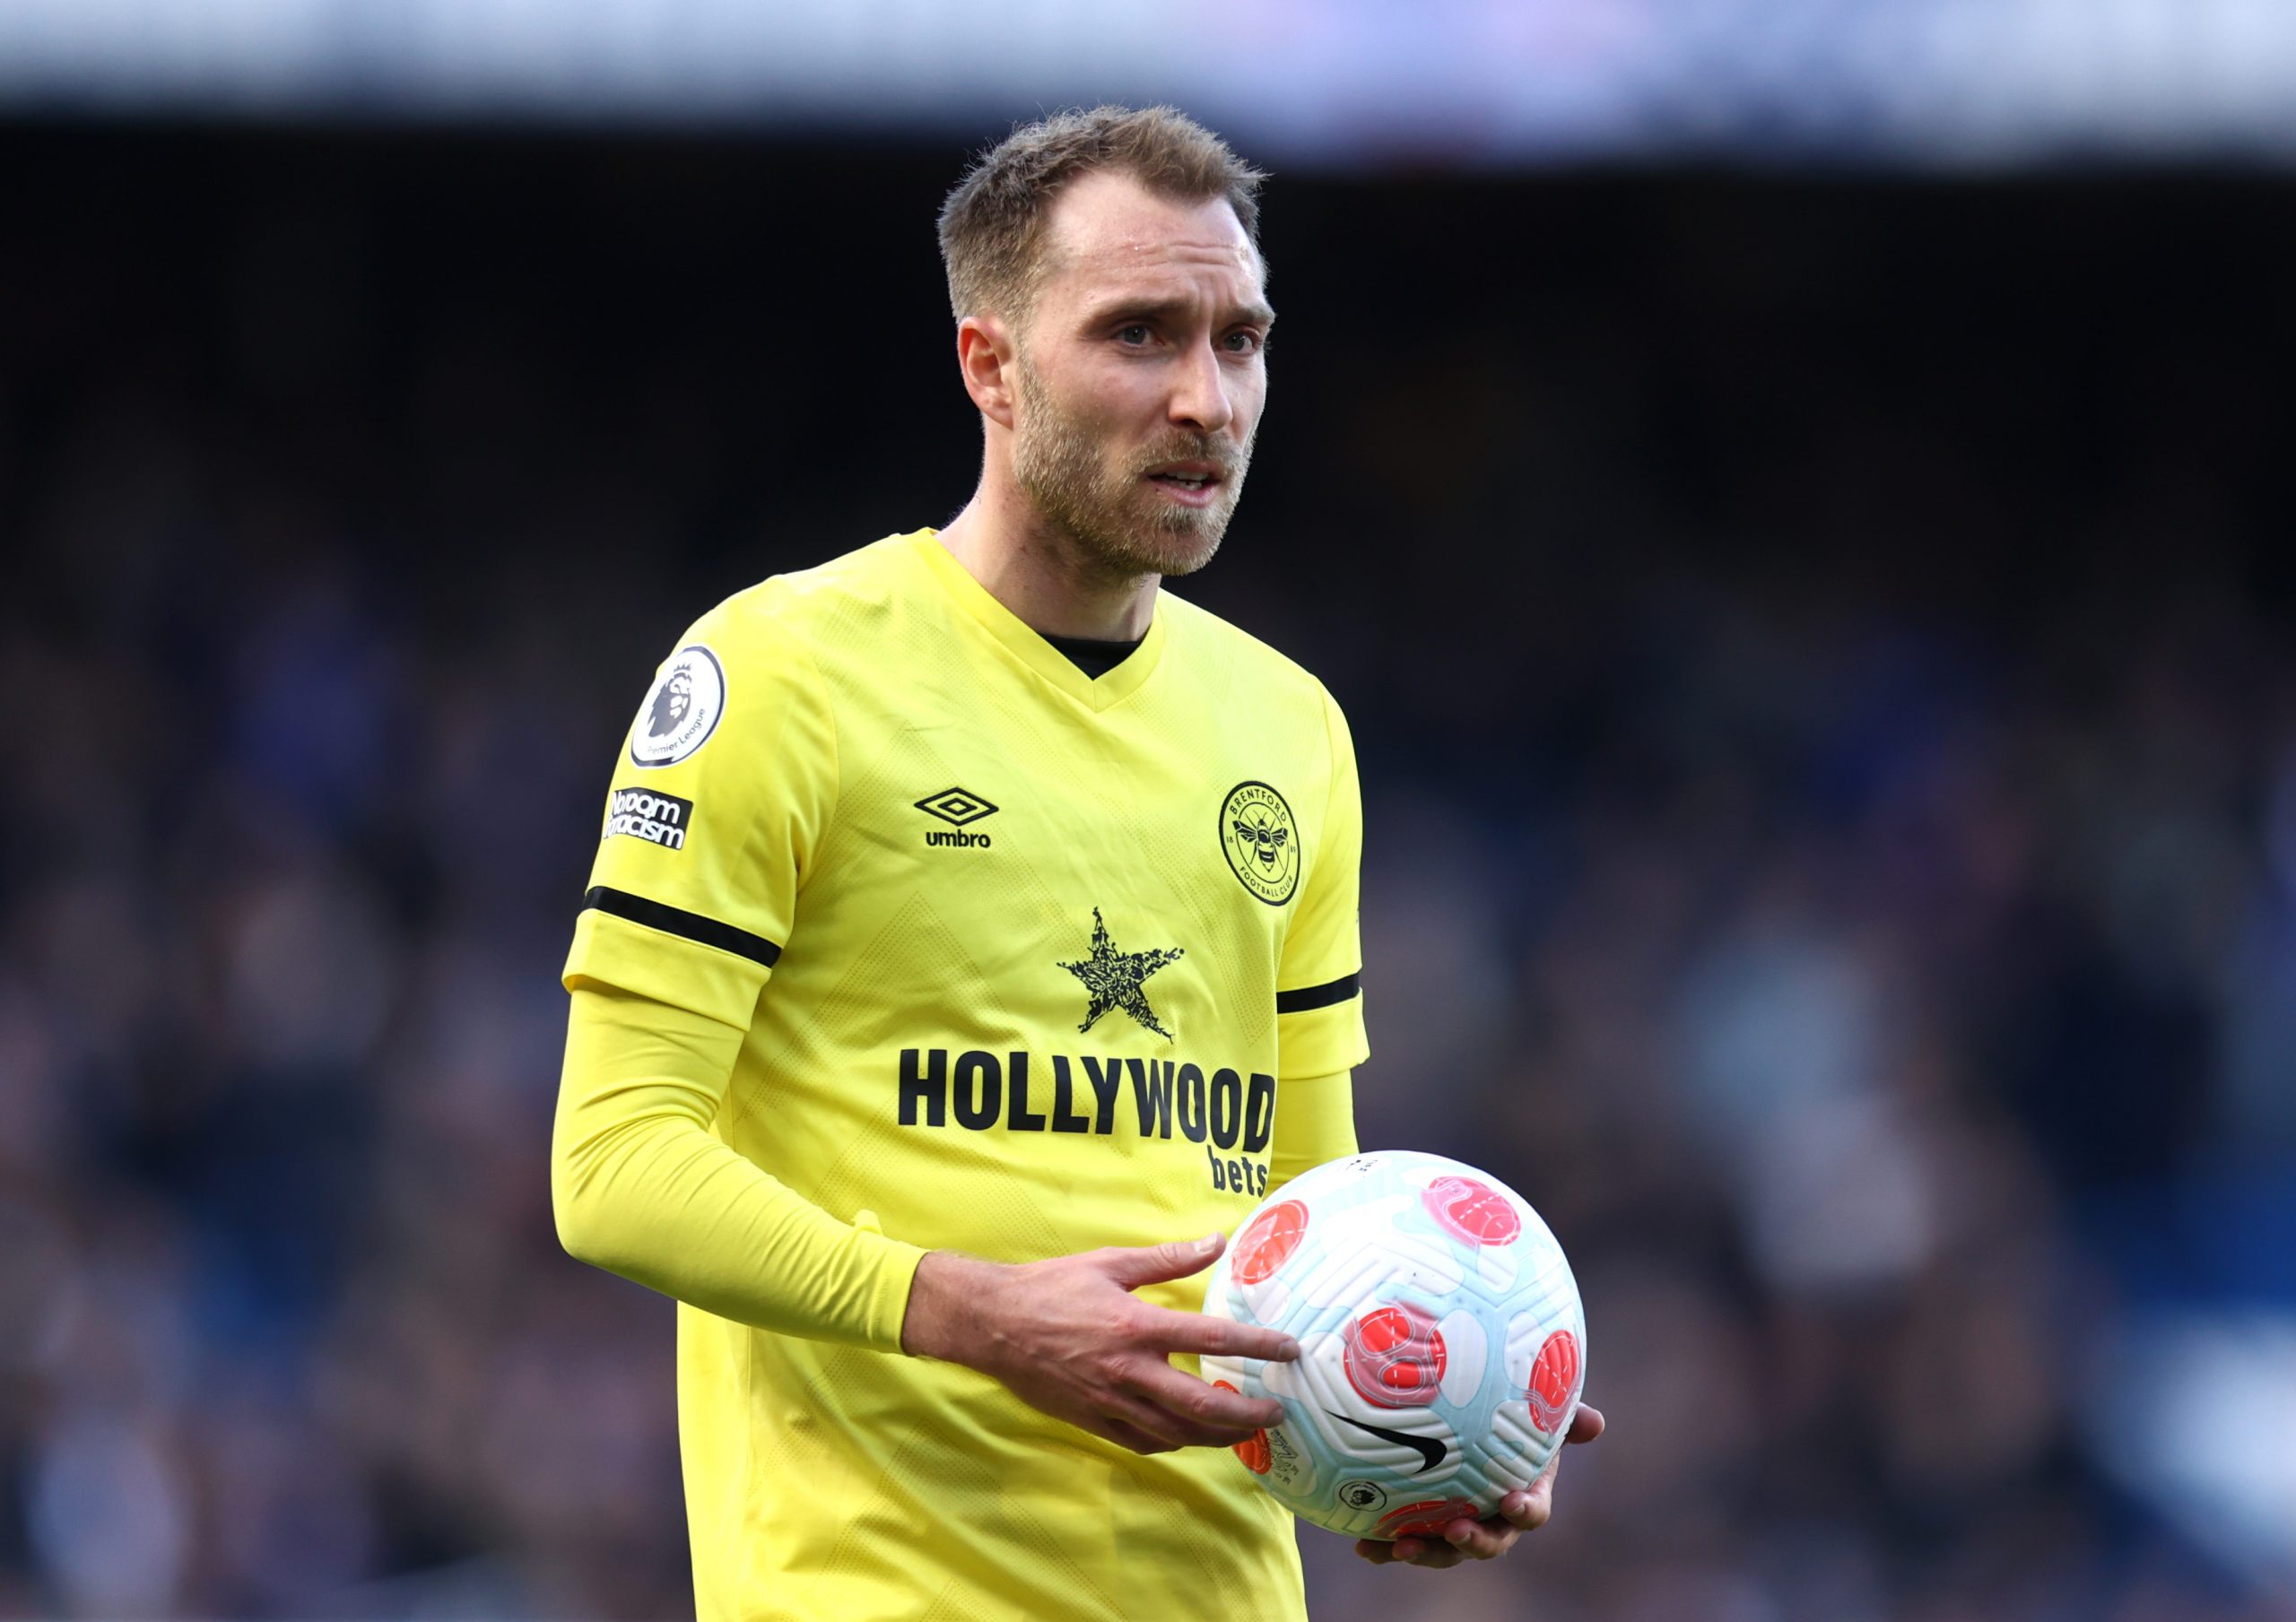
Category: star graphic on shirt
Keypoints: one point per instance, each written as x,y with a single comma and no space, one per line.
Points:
1115,979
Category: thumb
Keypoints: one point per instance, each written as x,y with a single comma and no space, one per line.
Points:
1134,1266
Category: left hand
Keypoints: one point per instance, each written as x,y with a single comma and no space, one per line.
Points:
1493,1535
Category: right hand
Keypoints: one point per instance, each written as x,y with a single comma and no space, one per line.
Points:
1068,1338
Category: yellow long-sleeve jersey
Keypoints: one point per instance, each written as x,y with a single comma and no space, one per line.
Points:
904,933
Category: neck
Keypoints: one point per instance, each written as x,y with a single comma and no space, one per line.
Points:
1040,574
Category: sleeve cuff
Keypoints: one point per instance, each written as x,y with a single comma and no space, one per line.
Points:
892,1267
647,962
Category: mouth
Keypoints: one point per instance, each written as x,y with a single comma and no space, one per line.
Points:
1190,483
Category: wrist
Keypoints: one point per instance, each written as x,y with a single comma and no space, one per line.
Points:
946,1295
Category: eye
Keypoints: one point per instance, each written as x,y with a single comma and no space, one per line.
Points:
1244,340
1134,335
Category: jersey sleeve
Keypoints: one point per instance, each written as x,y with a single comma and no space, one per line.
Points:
720,797
1315,1123
640,1187
1319,994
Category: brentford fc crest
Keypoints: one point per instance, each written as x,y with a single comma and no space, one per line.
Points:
682,710
1260,841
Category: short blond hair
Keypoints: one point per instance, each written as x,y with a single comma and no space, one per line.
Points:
992,225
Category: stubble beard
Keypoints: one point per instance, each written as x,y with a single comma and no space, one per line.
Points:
1115,524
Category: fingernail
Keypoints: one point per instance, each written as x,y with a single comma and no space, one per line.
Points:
1457,1539
1290,1348
1212,1242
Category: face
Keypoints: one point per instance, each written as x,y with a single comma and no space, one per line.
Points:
1141,375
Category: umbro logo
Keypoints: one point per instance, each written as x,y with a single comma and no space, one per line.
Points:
956,807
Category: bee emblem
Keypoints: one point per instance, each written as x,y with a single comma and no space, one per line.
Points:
1268,843
1261,842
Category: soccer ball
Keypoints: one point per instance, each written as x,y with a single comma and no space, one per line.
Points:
1442,1345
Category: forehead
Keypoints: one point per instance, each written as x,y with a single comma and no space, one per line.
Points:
1107,236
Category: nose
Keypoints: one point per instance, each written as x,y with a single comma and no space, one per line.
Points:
1200,392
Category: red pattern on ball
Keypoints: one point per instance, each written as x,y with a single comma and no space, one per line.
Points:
1394,1356
1267,1242
1259,1457
1472,1210
1554,1376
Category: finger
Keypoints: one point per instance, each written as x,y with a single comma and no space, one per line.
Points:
1134,1266
1138,1441
1160,1434
1128,1436
1585,1425
1527,1510
1212,1401
1485,1539
1532,1507
1206,1336
1378,1551
1203,1403
1427,1552
1178,1430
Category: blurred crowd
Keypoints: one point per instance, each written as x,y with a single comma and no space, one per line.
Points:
1828,724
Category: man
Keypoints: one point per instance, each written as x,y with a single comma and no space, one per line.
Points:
973,921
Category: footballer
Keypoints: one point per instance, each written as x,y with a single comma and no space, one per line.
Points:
972,932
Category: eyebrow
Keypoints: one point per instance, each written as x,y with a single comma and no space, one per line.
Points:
1255,314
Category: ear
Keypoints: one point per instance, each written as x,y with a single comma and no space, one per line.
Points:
985,356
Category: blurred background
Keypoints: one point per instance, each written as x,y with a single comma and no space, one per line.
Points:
1794,498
